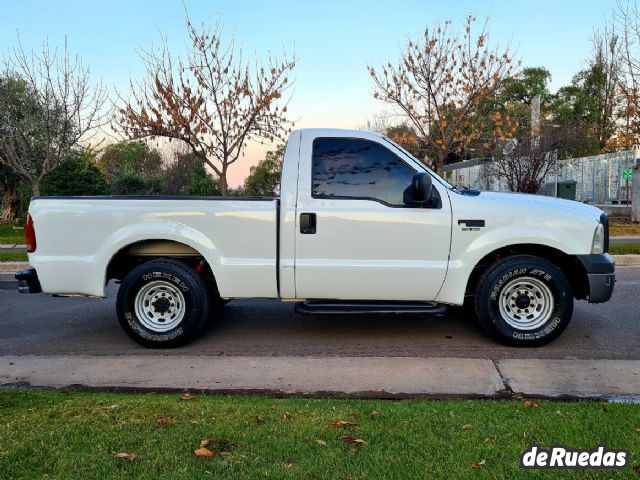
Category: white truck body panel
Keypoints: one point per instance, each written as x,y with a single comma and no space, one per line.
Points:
77,238
513,219
365,250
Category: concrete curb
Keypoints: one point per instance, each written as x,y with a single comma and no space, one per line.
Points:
626,260
12,267
360,377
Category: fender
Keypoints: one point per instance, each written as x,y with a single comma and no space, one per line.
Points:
467,253
163,230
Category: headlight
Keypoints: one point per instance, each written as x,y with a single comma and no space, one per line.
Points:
598,240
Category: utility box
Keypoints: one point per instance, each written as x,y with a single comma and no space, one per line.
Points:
562,189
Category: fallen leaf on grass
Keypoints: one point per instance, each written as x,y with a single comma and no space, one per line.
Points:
224,445
479,464
186,396
289,463
342,423
321,442
638,430
259,419
125,456
224,454
203,452
531,404
164,422
352,439
375,413
467,426
286,415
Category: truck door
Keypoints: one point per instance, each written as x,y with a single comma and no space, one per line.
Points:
356,239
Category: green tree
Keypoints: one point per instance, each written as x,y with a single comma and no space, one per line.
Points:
77,175
187,175
133,168
589,104
264,178
130,157
526,85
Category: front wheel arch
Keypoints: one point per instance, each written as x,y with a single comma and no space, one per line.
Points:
568,264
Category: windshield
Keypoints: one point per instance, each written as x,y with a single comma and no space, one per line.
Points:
434,174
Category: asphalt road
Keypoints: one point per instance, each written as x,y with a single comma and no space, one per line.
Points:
42,325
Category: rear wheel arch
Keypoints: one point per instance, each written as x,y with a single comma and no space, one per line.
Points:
136,253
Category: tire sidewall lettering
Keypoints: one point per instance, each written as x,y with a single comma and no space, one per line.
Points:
165,276
130,316
534,268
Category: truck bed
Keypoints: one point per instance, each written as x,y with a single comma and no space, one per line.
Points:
78,236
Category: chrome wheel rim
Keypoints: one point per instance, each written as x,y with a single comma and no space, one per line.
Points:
160,306
526,303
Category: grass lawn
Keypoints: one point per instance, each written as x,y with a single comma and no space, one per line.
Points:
11,234
13,257
78,435
623,229
624,249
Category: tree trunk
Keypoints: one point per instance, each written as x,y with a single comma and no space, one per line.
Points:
9,203
224,187
35,188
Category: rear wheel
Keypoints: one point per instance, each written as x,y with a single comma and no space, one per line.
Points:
523,301
162,304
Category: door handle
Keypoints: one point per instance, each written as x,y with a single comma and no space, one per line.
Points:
308,223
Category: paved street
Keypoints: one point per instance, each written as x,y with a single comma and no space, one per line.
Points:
42,325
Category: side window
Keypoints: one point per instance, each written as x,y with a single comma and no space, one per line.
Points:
356,168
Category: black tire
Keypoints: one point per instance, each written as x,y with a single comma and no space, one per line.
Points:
183,287
511,293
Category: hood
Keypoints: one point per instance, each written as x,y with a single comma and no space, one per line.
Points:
541,201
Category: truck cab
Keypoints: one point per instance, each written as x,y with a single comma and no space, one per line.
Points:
360,227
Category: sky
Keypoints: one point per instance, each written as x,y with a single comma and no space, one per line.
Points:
334,41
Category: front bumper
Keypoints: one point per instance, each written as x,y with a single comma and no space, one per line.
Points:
28,281
601,274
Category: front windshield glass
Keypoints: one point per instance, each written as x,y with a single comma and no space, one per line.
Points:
434,174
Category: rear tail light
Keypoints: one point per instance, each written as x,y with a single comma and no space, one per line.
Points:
30,235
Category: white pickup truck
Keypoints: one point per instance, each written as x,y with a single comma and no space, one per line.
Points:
360,227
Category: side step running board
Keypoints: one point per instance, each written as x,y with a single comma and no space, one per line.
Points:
317,307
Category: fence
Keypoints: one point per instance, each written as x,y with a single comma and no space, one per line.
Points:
599,178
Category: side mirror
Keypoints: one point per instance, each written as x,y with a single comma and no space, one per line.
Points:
421,186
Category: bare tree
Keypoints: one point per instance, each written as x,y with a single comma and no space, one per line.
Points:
626,18
524,165
48,105
443,84
605,66
211,99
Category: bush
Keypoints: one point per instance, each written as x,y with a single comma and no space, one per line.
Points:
187,175
78,175
134,183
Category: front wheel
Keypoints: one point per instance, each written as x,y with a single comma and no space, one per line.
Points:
162,304
523,301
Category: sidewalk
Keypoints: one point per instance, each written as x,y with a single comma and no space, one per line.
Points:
362,377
